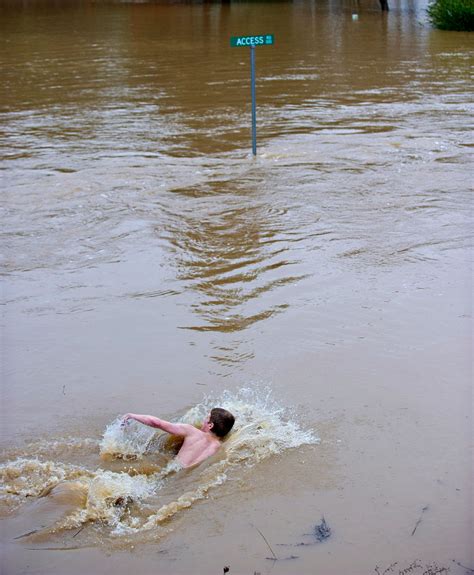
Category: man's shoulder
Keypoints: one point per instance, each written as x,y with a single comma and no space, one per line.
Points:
192,429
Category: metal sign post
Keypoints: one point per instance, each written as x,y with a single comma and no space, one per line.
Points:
252,42
254,101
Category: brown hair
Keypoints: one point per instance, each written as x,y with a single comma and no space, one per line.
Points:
223,421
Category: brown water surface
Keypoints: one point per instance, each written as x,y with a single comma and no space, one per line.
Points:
149,260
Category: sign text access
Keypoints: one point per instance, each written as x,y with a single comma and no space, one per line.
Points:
247,41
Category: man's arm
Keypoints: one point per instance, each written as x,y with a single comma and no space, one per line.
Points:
182,429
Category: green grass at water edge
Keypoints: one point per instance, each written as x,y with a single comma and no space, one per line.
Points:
452,14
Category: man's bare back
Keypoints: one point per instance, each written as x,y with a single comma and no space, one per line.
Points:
199,444
197,447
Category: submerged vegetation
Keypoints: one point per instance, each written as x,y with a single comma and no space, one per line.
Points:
452,14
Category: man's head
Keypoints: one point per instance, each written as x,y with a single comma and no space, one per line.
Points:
219,421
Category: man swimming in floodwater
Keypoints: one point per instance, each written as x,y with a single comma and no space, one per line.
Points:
199,444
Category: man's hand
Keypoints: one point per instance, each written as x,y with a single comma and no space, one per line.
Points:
126,419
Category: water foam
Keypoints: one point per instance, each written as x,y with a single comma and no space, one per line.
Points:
34,478
129,441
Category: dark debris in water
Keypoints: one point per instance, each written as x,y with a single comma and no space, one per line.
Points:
282,558
122,501
26,534
468,569
419,519
322,531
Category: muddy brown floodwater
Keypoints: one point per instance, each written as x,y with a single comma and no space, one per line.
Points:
322,291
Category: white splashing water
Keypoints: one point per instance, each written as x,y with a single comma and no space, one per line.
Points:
126,441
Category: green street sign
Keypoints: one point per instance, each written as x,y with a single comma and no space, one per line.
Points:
251,42
248,41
